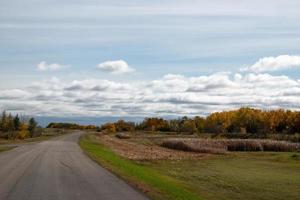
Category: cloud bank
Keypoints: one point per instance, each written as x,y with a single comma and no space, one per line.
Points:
169,95
269,64
44,66
115,67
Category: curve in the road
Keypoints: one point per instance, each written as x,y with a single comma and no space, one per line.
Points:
57,169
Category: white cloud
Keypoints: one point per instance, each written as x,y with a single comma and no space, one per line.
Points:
13,94
169,95
115,67
44,66
268,64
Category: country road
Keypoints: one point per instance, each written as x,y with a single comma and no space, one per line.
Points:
57,169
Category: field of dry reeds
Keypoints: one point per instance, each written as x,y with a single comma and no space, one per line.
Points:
220,146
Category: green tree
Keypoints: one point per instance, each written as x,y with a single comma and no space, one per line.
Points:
188,126
174,125
121,125
17,123
32,126
10,122
3,124
199,122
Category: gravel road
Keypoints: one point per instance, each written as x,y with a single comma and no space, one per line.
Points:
57,169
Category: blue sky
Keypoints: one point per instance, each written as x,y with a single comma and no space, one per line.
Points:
191,38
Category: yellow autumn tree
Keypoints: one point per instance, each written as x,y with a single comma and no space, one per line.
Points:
109,128
23,132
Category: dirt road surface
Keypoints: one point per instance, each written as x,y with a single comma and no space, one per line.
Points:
57,169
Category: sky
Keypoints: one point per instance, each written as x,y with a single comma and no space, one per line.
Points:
148,58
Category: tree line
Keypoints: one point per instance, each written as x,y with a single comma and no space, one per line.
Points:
16,127
242,121
72,126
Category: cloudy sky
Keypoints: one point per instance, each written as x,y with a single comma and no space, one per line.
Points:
140,58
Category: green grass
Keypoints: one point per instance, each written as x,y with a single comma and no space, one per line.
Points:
155,184
247,176
5,148
238,175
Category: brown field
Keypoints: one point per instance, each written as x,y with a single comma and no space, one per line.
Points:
145,146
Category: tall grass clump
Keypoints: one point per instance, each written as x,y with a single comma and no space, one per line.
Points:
271,145
223,145
243,145
206,146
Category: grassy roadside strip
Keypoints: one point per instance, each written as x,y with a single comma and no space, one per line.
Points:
27,140
150,181
41,138
5,148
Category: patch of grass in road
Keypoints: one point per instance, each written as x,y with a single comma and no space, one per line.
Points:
5,148
155,184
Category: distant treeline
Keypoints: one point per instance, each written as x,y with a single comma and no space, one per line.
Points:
72,126
244,122
241,121
16,127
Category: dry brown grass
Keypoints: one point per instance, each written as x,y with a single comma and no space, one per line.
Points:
200,146
221,146
271,145
136,151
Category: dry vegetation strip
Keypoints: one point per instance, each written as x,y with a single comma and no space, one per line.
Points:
136,151
222,146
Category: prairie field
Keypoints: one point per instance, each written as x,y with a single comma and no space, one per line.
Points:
215,172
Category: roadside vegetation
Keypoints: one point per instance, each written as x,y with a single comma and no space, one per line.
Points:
231,155
16,127
147,179
164,173
5,148
20,129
